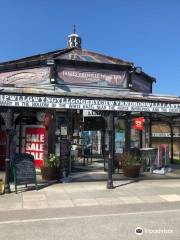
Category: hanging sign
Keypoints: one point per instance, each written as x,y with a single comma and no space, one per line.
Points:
138,123
35,144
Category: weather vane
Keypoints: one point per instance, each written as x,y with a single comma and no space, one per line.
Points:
74,28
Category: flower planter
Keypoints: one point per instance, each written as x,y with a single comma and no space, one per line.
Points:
50,173
131,171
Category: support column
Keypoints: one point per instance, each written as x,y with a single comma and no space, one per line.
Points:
127,133
110,156
150,130
8,116
172,142
7,165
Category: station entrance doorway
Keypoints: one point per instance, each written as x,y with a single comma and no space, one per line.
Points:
87,149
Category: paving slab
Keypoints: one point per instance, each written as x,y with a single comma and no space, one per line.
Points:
54,196
35,204
11,206
85,202
34,196
152,199
109,201
80,195
61,204
171,197
130,200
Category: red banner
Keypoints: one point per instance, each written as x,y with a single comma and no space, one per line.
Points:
35,139
138,123
3,141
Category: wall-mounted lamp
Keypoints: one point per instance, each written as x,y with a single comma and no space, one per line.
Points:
50,62
52,80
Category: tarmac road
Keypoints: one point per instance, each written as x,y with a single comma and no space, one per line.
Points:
158,221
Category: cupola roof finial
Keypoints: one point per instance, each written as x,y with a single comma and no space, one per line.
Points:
74,29
74,40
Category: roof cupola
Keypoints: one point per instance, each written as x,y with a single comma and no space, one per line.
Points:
74,40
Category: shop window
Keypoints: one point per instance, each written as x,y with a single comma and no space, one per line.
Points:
119,135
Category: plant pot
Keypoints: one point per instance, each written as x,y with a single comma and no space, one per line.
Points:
131,171
50,173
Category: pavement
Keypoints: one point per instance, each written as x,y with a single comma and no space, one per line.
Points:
84,209
81,194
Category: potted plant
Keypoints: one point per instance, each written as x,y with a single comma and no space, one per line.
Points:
51,168
131,165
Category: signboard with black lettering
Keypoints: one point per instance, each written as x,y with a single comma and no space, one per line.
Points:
24,170
64,155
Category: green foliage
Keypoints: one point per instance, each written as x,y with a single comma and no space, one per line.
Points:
52,161
130,160
176,160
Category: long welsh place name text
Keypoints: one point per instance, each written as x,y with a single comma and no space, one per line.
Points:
83,103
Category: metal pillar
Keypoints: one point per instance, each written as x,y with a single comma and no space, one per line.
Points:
150,130
9,129
7,166
110,156
127,133
172,142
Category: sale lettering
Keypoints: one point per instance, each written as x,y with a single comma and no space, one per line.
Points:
37,156
35,143
34,146
35,138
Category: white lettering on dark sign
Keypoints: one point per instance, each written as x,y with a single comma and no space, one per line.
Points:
79,75
89,104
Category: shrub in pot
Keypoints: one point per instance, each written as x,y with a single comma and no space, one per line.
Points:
131,165
51,168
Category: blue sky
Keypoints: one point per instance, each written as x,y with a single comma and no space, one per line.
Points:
145,32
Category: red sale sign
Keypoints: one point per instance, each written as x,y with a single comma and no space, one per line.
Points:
35,139
138,123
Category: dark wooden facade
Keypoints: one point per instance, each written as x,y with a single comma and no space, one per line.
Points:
65,82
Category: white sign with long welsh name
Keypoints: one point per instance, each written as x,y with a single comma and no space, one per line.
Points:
32,101
165,135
